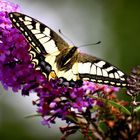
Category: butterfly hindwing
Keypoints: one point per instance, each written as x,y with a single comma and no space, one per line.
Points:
96,70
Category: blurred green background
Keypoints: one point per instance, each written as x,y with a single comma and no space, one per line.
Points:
115,23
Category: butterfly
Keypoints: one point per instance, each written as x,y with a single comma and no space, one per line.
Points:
50,53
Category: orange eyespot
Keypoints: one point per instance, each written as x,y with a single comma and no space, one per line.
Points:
52,75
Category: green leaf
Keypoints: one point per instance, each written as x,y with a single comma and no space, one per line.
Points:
119,107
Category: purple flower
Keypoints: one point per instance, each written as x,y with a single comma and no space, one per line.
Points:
5,8
16,69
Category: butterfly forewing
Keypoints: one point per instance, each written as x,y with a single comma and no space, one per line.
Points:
41,37
45,43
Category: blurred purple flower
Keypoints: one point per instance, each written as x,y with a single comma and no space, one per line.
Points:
6,7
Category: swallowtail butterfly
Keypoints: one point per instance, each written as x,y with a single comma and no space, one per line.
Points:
51,53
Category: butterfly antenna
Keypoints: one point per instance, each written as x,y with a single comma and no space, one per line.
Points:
90,44
65,37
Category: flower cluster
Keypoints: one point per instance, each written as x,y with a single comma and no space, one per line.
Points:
66,103
16,69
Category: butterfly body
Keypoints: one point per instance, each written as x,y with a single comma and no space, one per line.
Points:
50,52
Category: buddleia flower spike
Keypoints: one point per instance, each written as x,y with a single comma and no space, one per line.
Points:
134,84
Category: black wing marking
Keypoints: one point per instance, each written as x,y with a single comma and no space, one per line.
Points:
96,70
42,38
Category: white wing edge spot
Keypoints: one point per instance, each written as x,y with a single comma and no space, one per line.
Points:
106,82
118,84
26,33
13,20
38,68
30,27
123,79
93,80
86,79
11,15
38,26
100,81
21,29
38,49
20,18
120,73
100,64
29,38
47,31
33,43
112,83
124,85
28,18
27,22
109,68
17,24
